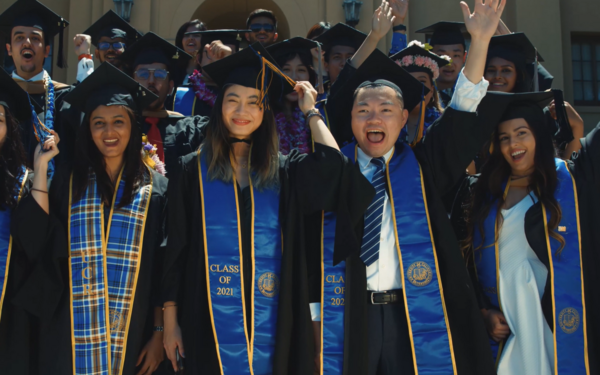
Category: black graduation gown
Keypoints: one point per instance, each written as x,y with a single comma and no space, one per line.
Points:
19,324
180,135
585,167
443,154
66,124
49,297
308,184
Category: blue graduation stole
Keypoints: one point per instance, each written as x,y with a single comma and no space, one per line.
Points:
566,275
6,239
104,270
429,330
238,351
185,101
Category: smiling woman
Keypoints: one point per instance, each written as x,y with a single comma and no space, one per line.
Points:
107,209
239,205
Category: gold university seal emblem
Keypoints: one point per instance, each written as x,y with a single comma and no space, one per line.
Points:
268,284
419,274
116,321
568,319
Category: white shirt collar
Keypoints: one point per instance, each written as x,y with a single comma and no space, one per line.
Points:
364,159
37,77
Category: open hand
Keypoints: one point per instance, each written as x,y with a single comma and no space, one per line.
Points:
153,354
399,10
382,20
82,43
483,22
50,150
307,95
496,325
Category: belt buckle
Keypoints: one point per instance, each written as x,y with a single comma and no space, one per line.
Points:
378,303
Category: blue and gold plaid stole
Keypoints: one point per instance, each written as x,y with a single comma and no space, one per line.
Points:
104,269
6,239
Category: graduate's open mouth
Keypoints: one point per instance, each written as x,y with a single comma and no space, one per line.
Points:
111,56
498,84
27,54
518,155
110,142
375,135
240,122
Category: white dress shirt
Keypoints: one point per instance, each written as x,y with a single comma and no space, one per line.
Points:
37,77
384,274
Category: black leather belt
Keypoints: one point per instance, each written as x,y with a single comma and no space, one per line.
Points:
385,297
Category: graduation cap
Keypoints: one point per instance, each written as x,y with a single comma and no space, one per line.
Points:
298,45
516,48
252,67
226,36
415,58
377,68
151,49
13,97
497,107
32,13
341,35
109,86
112,26
445,33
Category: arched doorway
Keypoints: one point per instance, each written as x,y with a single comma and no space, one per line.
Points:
217,14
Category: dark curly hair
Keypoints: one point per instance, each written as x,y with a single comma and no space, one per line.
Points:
12,160
496,171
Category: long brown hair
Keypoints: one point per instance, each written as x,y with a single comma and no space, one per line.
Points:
88,157
264,159
488,189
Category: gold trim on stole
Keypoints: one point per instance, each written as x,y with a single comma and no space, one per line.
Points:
9,252
137,272
322,287
212,318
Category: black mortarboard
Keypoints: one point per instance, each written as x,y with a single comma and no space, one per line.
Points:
445,33
112,26
496,107
341,35
14,97
226,36
251,67
377,67
109,86
415,51
292,45
516,48
151,49
32,13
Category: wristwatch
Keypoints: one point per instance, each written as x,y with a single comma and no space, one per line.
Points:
313,112
158,328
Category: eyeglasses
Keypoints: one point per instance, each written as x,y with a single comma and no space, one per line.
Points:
257,27
104,46
158,74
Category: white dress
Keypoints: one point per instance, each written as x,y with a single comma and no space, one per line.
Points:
530,347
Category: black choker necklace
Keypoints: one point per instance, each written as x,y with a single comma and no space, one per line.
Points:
237,140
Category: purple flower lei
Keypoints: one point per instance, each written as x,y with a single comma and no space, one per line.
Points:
202,92
293,132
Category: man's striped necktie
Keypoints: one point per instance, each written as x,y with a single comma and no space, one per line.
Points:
369,252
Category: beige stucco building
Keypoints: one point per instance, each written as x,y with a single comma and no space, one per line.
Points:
558,28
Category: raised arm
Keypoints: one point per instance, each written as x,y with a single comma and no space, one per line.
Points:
380,25
307,96
399,11
482,25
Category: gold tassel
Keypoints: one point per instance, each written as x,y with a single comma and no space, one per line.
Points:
419,134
